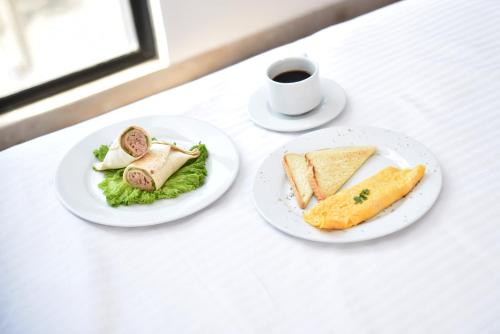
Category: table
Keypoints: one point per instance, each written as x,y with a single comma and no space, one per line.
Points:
430,69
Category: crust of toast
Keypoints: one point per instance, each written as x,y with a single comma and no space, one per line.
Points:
295,189
313,183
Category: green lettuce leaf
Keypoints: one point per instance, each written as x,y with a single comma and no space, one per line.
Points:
188,178
101,152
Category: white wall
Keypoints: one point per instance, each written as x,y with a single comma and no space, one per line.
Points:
195,26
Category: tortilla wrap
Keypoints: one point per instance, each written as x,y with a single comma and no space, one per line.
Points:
132,144
153,170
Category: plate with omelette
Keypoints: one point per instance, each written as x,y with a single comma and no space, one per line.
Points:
341,184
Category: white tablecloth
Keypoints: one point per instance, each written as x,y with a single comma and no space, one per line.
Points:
428,68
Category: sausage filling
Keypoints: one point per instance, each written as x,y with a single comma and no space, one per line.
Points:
135,142
138,179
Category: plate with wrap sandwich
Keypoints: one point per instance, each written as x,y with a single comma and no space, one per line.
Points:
146,171
341,184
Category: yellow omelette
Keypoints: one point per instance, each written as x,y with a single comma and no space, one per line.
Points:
365,200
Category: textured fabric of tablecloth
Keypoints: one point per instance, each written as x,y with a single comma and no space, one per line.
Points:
427,68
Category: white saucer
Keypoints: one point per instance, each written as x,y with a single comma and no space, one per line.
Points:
334,100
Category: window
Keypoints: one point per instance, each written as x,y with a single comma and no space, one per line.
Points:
48,46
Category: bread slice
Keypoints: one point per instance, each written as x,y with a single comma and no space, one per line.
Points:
296,170
329,169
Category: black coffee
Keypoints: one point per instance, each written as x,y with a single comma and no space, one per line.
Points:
291,76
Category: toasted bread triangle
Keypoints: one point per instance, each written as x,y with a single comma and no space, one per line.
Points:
329,169
296,169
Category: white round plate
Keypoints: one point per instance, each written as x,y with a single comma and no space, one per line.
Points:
334,100
275,201
76,181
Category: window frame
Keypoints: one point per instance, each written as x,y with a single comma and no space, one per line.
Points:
147,50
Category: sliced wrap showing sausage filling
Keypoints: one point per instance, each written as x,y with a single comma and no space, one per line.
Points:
153,170
132,143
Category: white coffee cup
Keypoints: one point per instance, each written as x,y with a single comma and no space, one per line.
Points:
293,98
